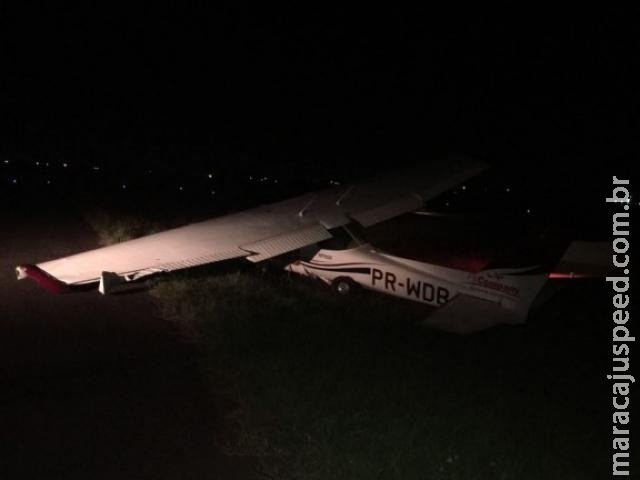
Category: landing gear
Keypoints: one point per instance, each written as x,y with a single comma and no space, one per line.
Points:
343,286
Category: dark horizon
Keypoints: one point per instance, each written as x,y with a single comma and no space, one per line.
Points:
119,121
315,94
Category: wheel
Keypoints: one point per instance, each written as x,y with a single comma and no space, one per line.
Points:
343,286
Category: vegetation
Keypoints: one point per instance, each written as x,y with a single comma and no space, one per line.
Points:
115,227
326,387
316,386
118,228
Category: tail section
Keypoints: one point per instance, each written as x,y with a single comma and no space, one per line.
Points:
507,295
488,298
583,260
514,290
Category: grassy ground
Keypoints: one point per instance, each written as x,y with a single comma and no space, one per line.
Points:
114,226
315,386
326,387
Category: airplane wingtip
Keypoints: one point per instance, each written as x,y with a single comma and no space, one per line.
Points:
46,281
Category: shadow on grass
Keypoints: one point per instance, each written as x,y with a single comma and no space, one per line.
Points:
328,387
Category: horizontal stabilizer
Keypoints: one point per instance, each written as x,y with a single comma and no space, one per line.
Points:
584,259
467,314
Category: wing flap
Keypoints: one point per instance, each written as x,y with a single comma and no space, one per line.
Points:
203,260
272,247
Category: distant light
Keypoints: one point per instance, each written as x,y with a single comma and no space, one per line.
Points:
213,192
210,175
250,177
65,165
464,187
334,182
47,164
528,210
96,168
508,189
37,164
180,188
149,171
447,204
14,180
124,186
48,182
6,162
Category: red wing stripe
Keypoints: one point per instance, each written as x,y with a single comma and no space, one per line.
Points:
45,280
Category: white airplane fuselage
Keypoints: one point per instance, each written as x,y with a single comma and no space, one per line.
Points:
418,281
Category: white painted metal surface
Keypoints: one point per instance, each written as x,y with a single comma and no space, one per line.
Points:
271,230
473,300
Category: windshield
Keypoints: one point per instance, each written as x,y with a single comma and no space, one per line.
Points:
344,238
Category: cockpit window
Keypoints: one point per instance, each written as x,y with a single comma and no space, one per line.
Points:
344,238
357,232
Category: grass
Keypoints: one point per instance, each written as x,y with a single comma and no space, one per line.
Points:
112,228
315,386
327,387
115,226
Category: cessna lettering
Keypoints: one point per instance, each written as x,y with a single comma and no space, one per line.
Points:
501,287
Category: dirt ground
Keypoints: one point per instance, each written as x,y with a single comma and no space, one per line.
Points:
94,386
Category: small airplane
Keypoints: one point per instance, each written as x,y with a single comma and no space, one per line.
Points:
324,232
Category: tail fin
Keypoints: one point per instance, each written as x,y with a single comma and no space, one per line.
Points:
523,286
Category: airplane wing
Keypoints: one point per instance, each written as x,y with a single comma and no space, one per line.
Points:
260,233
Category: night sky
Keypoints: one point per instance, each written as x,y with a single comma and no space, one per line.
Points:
184,113
215,106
